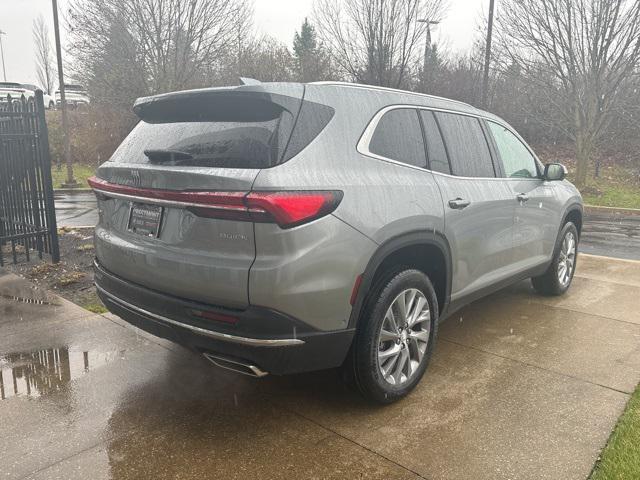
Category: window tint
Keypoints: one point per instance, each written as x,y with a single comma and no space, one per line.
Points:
516,158
437,155
398,137
468,150
207,144
223,130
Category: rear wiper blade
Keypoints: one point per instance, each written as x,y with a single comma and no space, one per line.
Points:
167,155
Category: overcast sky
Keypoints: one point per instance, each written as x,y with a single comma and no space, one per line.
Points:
279,18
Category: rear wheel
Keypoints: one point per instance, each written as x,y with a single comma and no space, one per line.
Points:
557,279
395,337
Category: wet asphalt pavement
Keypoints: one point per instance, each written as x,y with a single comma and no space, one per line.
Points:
611,234
604,233
520,387
76,209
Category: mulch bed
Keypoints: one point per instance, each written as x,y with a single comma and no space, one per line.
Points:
72,278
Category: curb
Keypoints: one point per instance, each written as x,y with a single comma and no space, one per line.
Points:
71,190
617,259
616,210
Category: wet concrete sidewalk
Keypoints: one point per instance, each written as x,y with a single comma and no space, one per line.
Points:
521,386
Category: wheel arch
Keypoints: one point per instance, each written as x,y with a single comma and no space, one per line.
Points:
432,245
573,213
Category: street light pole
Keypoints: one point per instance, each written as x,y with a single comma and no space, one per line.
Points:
487,56
4,70
70,182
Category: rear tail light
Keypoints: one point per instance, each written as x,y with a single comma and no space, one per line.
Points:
289,209
286,208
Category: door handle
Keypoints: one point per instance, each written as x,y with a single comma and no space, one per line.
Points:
459,203
521,197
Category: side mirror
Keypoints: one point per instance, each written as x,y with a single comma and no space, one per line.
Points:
554,172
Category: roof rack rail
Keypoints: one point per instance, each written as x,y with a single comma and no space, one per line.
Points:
388,89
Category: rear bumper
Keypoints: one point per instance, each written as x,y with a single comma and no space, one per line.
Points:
274,342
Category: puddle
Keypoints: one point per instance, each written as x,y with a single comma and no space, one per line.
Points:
44,372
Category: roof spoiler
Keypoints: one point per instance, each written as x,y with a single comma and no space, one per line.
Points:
244,103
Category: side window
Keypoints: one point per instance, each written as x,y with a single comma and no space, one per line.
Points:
467,146
437,154
398,137
516,158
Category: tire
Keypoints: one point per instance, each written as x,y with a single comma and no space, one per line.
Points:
553,282
414,347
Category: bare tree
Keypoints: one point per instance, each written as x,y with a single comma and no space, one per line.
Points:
582,54
152,45
375,41
45,60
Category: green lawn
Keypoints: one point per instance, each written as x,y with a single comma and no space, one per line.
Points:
621,457
80,172
616,187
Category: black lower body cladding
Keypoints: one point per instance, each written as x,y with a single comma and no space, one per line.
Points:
276,343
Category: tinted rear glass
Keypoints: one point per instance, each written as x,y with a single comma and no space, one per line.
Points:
398,137
466,144
228,130
211,144
438,161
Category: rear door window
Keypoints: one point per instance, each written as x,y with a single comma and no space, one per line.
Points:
466,144
437,154
398,137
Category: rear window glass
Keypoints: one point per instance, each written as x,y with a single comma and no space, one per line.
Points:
207,144
398,137
230,130
467,146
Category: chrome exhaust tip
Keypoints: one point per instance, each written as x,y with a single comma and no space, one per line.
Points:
235,365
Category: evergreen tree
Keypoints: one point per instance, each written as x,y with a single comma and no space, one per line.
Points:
311,58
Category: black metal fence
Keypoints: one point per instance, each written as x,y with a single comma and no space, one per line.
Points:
27,211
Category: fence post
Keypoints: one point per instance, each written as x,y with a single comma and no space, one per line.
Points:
50,208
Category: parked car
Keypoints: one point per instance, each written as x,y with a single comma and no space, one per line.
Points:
48,100
15,90
75,95
281,228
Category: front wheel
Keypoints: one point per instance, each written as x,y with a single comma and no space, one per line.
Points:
395,337
557,279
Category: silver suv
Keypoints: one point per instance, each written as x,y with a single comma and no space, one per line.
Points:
280,228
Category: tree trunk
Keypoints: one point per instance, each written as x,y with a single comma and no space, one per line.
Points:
583,156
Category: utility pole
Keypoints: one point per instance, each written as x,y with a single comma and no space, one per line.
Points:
71,182
4,70
487,56
427,45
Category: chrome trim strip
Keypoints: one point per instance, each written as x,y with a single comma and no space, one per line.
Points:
167,203
255,342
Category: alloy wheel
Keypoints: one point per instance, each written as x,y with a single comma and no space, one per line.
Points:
404,336
567,260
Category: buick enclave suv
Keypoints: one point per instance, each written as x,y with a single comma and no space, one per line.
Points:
280,228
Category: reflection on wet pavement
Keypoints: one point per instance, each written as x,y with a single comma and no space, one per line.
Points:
526,387
46,371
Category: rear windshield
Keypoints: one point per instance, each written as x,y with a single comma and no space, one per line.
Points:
208,144
232,131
